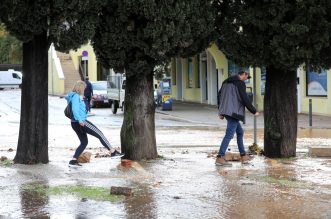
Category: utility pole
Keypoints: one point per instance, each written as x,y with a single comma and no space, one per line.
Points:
254,101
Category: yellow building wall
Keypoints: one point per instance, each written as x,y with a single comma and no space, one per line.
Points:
222,65
259,96
220,61
320,105
219,57
92,61
191,94
55,83
58,84
174,91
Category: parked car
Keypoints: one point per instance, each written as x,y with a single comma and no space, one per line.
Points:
10,79
99,97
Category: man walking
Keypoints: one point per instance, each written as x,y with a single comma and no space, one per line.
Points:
88,92
232,100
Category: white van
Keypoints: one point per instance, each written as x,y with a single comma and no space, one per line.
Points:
10,79
116,91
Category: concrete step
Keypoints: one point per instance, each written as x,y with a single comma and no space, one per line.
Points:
71,75
319,151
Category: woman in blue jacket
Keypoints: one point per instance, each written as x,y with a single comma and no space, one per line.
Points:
82,126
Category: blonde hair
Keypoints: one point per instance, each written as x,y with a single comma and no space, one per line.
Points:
79,87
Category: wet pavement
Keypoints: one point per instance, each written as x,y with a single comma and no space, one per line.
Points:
183,183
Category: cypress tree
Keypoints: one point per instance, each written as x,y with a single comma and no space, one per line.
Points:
138,36
280,36
67,24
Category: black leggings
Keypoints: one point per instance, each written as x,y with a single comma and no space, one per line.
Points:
82,132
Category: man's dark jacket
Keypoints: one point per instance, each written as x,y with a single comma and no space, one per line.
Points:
88,92
232,99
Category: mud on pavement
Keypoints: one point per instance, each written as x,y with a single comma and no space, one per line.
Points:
183,183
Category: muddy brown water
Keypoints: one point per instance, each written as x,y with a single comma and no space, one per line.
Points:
183,185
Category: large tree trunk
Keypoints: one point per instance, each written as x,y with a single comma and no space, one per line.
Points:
280,113
33,135
138,129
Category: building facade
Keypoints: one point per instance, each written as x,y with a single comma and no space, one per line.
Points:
198,79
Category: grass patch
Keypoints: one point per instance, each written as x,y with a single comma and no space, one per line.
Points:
36,188
88,192
285,182
6,163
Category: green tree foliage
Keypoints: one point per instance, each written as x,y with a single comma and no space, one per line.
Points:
139,35
10,47
134,35
280,35
285,34
67,24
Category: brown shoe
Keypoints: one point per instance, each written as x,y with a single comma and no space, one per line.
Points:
245,159
220,161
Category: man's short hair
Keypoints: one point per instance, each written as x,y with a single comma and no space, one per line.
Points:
244,72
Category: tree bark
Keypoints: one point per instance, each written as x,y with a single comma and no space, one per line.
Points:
33,134
138,129
280,113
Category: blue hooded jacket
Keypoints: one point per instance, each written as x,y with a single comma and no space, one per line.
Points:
78,107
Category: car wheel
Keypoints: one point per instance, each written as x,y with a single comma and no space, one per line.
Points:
114,106
92,104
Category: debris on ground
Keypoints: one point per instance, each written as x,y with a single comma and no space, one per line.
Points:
157,185
3,158
126,163
85,157
271,162
255,149
99,155
229,156
212,154
119,190
319,151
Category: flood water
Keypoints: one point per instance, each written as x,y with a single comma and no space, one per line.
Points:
185,184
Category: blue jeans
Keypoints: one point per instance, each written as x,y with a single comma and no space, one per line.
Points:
233,126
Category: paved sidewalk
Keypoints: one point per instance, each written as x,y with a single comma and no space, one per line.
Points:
207,115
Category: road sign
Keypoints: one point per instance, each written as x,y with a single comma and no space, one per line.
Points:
84,53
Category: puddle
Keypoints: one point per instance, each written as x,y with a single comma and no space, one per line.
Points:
183,184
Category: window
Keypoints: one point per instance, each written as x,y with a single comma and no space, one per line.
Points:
197,84
189,73
316,83
174,71
263,79
16,76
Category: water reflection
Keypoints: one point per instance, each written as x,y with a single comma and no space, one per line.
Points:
34,199
141,205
